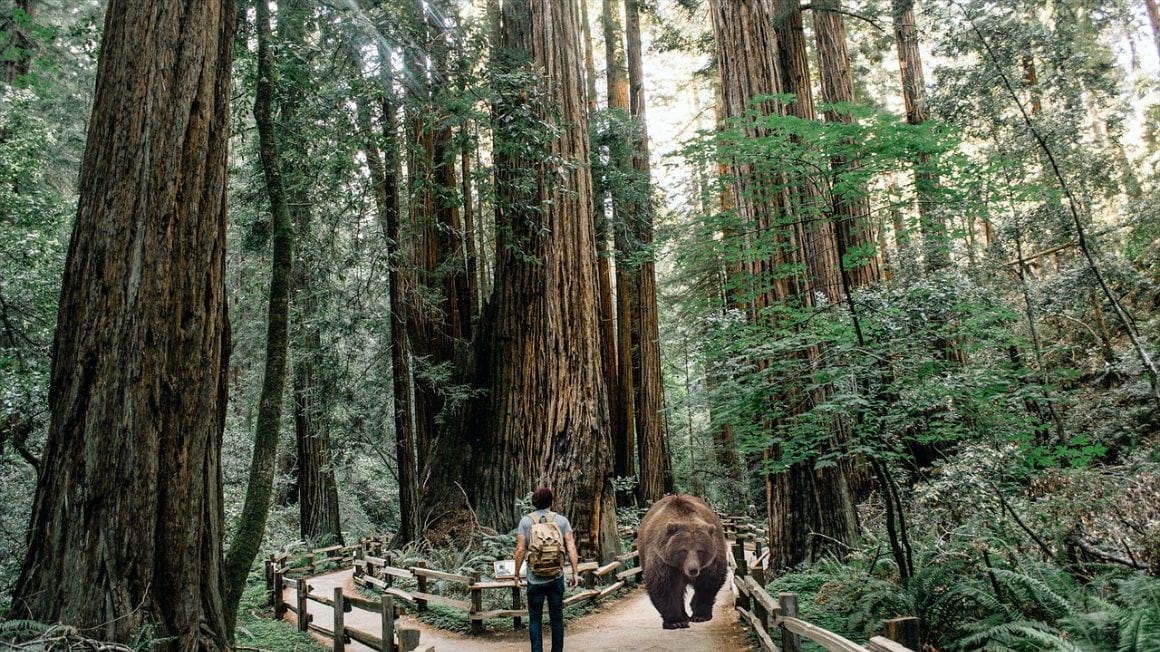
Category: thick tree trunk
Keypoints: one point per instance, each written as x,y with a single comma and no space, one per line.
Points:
127,521
855,234
649,390
820,249
545,418
799,501
259,486
935,244
441,305
589,58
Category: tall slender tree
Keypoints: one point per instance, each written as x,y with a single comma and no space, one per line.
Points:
316,488
260,484
382,153
545,417
936,252
127,522
648,394
622,404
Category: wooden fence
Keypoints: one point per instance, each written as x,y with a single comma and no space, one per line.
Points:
382,573
374,566
749,559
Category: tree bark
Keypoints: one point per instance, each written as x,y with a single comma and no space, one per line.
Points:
259,486
649,390
1154,18
934,231
546,416
616,68
17,55
385,174
622,397
851,214
127,522
439,317
316,488
799,502
820,250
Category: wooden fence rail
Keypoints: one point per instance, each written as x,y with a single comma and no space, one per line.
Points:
749,559
374,566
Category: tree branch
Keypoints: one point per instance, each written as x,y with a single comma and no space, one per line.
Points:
834,9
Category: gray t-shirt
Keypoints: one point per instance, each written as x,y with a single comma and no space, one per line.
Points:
526,530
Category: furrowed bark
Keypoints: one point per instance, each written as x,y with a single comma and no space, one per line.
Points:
127,521
649,390
546,416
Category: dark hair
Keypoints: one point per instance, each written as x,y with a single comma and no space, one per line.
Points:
542,498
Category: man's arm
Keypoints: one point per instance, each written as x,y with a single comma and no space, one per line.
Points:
521,549
570,543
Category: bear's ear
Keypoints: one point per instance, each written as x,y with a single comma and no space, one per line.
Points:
672,529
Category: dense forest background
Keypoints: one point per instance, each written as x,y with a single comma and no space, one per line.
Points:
883,273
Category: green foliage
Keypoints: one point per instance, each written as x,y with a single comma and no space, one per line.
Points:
965,602
255,628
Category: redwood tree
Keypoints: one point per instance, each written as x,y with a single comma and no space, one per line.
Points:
855,237
799,501
648,392
622,398
545,416
126,527
934,230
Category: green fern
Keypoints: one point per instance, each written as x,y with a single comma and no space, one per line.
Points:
1022,636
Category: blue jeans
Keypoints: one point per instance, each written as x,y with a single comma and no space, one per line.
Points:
554,592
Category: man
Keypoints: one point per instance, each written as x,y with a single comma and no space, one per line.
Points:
543,528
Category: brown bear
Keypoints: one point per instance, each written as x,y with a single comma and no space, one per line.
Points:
682,543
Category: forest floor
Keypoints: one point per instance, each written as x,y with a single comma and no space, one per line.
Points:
628,624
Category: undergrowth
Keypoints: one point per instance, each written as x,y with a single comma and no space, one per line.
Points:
979,595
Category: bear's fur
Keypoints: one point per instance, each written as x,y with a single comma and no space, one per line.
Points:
682,543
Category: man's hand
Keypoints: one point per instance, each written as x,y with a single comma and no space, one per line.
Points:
575,580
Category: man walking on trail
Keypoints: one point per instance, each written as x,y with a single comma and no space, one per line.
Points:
543,537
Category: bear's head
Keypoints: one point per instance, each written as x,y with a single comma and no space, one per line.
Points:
690,546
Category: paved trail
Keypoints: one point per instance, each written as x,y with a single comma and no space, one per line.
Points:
628,624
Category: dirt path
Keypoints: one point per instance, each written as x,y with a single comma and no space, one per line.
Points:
629,624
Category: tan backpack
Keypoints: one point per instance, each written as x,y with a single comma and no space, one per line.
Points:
546,546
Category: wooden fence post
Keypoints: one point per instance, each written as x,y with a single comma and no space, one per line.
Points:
476,602
739,557
517,604
790,642
408,639
303,614
269,565
279,604
339,624
387,577
904,631
388,616
421,604
759,609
